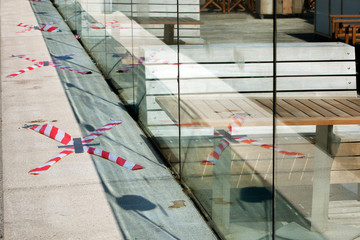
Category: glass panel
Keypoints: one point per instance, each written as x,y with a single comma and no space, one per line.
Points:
133,45
226,84
316,109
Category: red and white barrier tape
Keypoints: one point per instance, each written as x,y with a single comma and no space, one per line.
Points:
65,138
44,27
237,121
40,64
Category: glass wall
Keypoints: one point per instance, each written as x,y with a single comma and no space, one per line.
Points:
255,113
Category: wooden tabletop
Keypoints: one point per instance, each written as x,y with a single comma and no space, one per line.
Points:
167,20
216,112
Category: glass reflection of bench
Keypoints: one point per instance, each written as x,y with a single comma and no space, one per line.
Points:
234,70
169,23
321,112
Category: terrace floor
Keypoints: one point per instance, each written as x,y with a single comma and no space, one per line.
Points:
243,27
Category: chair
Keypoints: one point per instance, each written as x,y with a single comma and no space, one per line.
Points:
237,3
208,2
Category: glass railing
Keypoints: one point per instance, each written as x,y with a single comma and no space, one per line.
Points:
268,151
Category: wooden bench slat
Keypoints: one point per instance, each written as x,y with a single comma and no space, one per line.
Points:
280,110
291,108
325,105
219,108
267,113
343,107
353,103
303,107
311,104
205,109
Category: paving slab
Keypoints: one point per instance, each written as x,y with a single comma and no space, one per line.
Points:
80,197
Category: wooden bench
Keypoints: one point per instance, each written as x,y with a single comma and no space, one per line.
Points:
352,32
318,169
345,27
169,23
232,69
211,72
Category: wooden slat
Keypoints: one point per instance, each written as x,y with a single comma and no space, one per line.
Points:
218,108
204,109
231,106
322,103
280,110
290,108
320,114
353,103
253,112
317,108
302,107
343,107
264,112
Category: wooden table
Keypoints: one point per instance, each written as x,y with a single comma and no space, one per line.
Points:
169,23
322,112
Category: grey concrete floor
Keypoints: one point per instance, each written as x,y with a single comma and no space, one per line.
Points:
243,27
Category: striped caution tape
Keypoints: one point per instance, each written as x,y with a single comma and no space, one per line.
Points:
71,146
44,27
113,158
237,121
49,28
100,131
96,26
112,22
53,63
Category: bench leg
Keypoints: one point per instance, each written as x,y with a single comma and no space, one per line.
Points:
221,191
169,34
321,183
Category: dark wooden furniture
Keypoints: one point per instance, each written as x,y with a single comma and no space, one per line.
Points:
345,27
169,23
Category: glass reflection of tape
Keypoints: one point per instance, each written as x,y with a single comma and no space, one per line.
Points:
78,145
229,137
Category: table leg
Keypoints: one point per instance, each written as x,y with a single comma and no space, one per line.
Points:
321,183
169,34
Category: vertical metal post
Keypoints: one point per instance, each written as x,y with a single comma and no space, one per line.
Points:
273,205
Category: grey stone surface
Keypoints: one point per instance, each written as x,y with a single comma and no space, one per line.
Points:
79,197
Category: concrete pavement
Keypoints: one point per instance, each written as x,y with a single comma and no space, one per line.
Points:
80,197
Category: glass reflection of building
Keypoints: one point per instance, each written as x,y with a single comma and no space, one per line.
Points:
267,151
